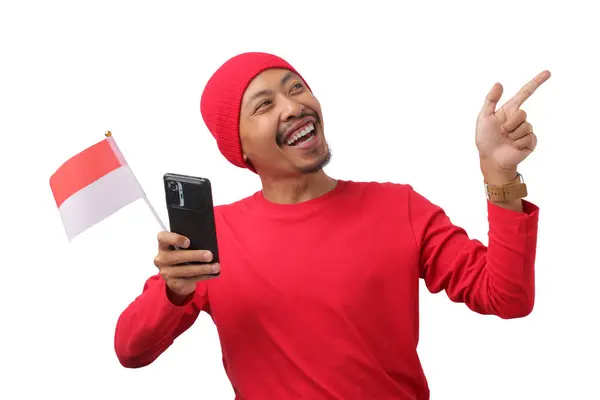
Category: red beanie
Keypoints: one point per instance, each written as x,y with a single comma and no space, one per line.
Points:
222,98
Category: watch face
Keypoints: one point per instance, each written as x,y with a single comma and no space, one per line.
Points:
487,192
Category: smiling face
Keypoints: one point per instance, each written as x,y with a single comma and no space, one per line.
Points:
281,126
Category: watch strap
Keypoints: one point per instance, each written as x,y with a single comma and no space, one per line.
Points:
513,190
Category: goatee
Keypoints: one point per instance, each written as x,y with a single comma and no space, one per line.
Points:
318,165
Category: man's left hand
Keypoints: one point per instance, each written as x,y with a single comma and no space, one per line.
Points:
503,137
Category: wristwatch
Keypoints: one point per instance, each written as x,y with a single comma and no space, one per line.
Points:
513,190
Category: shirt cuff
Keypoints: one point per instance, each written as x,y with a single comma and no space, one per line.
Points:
529,209
513,221
166,302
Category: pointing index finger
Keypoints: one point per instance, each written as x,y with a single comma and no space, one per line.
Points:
529,88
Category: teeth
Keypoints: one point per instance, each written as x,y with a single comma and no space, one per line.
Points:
309,128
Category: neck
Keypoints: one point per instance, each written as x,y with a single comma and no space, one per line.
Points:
297,189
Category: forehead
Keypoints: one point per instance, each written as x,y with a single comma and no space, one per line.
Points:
268,80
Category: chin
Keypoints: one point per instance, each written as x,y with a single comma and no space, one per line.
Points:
315,165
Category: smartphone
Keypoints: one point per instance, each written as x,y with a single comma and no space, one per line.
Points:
191,212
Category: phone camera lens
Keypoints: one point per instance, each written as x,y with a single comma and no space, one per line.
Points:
173,186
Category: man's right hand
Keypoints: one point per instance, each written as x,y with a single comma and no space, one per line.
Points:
181,279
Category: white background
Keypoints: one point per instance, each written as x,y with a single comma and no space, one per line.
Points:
400,87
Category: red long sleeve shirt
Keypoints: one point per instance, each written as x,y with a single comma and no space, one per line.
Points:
319,300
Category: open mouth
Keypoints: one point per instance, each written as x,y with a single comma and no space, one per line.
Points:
303,136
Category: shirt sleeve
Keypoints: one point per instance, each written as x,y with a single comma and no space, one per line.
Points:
151,323
497,279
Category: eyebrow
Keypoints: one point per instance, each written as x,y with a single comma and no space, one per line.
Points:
282,82
286,77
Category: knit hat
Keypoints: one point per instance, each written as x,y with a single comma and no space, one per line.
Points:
222,98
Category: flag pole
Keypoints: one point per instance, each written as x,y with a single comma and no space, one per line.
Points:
116,149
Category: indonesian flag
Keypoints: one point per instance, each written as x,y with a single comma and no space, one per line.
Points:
93,185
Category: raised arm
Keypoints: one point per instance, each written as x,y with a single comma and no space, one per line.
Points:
168,305
497,279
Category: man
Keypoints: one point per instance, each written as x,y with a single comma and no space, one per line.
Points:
318,292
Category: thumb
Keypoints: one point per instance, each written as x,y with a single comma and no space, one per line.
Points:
491,100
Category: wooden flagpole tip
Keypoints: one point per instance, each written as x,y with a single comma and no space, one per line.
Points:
108,134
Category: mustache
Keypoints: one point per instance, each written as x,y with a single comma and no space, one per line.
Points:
281,131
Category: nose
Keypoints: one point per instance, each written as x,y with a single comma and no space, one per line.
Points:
291,109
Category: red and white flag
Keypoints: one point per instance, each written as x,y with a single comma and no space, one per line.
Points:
93,185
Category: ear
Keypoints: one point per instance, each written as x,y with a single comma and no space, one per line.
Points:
247,161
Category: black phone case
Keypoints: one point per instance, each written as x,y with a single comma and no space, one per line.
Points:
191,212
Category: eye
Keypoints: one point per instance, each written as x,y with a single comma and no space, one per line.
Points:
297,86
262,105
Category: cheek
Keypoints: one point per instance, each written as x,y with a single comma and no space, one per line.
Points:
315,101
314,104
259,137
